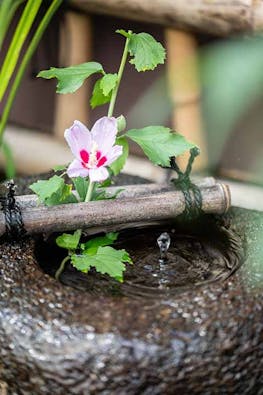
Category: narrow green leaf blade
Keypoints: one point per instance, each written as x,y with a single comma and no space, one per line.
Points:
69,241
10,168
71,78
147,53
22,30
118,164
160,143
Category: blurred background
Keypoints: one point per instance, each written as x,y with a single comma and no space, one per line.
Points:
210,88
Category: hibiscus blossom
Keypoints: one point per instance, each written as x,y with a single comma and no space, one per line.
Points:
93,150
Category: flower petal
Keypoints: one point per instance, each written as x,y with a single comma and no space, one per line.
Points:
78,138
76,169
104,133
113,154
98,175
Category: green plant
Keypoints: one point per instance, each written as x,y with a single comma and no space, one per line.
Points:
102,152
10,66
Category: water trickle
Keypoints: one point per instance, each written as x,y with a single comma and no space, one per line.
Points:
163,242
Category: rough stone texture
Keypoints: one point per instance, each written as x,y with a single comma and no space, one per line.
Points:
59,340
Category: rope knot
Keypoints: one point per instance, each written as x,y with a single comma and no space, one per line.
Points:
13,217
192,194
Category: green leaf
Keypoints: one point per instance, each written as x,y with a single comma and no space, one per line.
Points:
81,262
98,98
11,58
102,194
81,186
46,188
10,168
69,241
108,83
101,241
110,261
63,196
71,78
107,260
160,143
59,167
53,191
146,51
102,90
118,164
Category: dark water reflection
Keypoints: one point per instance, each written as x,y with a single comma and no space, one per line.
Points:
200,253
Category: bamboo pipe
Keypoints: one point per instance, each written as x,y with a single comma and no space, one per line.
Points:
218,17
127,191
162,206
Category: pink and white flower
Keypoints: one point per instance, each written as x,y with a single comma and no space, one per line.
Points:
93,150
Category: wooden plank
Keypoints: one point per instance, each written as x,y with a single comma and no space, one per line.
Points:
185,91
218,17
35,152
75,48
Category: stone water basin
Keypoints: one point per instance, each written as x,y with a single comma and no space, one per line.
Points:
194,328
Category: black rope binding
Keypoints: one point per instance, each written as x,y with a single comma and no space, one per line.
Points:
11,209
192,194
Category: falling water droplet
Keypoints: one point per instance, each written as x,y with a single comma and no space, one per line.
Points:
163,242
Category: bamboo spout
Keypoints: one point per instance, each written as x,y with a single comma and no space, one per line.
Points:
154,207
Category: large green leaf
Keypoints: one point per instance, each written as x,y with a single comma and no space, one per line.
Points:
119,163
46,188
160,143
91,247
107,260
147,53
53,191
71,78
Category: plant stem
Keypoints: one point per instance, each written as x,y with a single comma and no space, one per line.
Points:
61,267
89,192
31,49
120,72
67,258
